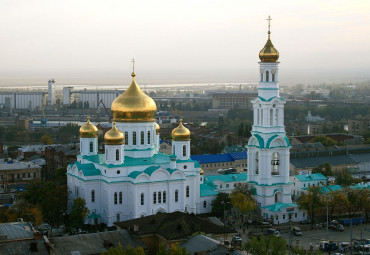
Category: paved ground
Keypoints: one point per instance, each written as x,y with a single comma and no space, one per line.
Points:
309,236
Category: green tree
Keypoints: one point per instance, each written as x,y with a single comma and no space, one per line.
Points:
345,179
127,251
78,213
324,169
173,250
271,246
324,140
335,198
311,202
243,202
221,202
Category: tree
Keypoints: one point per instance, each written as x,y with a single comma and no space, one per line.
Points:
173,250
217,205
324,169
243,202
324,140
78,213
335,198
271,246
311,202
127,251
45,139
345,179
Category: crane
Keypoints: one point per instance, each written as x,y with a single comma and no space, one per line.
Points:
105,109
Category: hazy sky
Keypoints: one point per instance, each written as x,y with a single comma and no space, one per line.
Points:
181,41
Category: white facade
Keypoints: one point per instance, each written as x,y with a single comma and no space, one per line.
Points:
21,100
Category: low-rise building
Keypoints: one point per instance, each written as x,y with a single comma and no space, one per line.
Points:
13,172
211,163
302,182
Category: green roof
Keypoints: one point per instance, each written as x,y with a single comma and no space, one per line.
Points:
156,159
311,177
151,170
226,177
279,206
332,188
88,169
207,190
361,186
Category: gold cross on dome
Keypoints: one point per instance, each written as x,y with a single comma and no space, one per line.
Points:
133,65
269,19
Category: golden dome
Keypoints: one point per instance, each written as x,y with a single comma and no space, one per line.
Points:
180,133
157,128
201,172
88,130
269,53
114,136
133,105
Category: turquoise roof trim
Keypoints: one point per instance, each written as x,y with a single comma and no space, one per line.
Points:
311,177
332,188
207,190
151,170
196,165
287,141
262,99
279,206
134,174
156,159
270,140
88,169
260,140
226,178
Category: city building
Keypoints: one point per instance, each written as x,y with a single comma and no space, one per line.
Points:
51,92
229,100
13,173
268,147
59,156
21,100
302,182
211,163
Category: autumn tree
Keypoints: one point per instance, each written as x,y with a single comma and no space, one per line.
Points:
45,139
78,213
335,198
126,251
345,179
243,201
324,140
221,202
270,246
173,250
311,202
324,169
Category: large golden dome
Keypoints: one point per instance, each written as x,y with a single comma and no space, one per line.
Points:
133,105
157,128
88,130
114,136
180,133
269,53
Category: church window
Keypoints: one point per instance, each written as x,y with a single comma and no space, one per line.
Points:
115,198
283,216
276,116
185,166
273,77
159,197
93,196
204,204
164,197
258,116
267,76
134,138
126,138
91,147
227,185
275,163
176,196
304,215
295,215
77,191
261,76
154,197
120,197
221,186
148,137
106,154
142,137
118,217
142,199
271,117
187,191
184,150
117,154
257,162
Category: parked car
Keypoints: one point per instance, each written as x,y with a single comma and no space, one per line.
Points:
273,231
297,231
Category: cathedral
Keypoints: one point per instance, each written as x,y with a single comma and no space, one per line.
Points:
132,178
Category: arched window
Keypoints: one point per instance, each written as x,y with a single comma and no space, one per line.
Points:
184,150
164,197
126,138
120,197
258,116
273,77
257,162
173,149
271,117
276,117
134,138
117,154
267,76
275,163
154,197
115,198
91,147
142,137
187,191
142,199
148,137
261,76
106,154
204,204
159,197
176,196
93,196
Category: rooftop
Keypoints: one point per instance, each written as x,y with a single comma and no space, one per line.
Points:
316,161
216,158
310,177
13,165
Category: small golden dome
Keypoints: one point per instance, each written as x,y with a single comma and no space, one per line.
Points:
269,53
114,136
157,128
88,130
180,133
201,172
133,105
